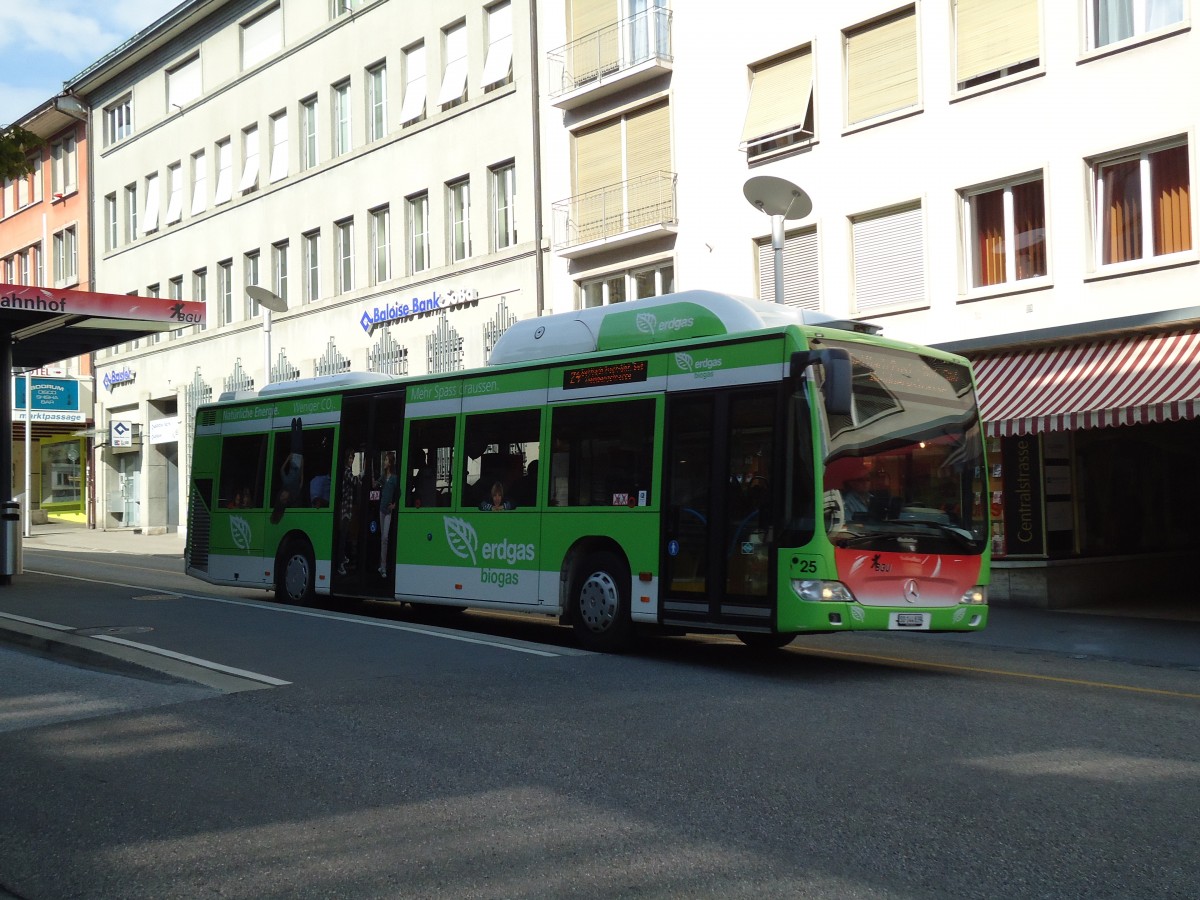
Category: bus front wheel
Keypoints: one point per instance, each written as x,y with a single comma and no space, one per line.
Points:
295,574
757,640
601,603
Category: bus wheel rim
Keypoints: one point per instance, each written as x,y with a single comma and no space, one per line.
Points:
599,602
295,577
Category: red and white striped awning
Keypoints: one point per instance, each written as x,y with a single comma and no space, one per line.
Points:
1126,381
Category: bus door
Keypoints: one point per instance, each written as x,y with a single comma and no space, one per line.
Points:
719,509
366,496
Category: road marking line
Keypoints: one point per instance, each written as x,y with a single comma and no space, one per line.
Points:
820,651
267,606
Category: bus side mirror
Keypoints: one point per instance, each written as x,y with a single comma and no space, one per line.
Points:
838,376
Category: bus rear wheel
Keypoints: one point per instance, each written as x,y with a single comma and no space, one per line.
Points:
600,600
295,574
757,640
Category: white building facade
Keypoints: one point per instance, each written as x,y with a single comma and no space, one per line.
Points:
1007,179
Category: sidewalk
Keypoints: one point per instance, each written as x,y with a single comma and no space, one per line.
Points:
57,535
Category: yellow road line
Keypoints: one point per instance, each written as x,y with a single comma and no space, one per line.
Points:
918,663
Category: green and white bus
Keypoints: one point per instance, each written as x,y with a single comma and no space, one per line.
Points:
694,462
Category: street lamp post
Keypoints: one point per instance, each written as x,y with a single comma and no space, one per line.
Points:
268,301
781,200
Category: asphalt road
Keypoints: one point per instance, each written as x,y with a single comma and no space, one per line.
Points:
365,752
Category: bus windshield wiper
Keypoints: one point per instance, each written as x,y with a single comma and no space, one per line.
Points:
960,534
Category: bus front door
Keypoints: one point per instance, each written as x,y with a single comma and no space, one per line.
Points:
718,509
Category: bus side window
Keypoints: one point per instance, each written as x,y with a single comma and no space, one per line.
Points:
602,453
243,464
430,462
499,449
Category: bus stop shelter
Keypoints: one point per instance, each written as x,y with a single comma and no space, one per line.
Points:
41,325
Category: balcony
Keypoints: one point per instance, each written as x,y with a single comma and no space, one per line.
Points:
615,216
615,58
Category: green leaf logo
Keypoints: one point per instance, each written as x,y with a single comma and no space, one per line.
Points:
239,531
461,537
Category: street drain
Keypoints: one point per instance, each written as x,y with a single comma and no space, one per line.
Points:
112,630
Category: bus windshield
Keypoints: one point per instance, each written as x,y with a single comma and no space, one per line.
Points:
907,462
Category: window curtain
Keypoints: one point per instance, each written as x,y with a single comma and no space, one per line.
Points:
1171,196
1122,217
1114,20
988,211
1029,214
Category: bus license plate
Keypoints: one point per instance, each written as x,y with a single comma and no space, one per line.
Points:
909,621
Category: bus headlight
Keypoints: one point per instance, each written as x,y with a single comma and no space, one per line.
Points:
822,591
976,596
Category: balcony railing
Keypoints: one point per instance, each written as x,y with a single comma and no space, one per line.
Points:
641,38
619,209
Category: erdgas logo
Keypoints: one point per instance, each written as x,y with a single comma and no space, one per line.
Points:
648,323
698,367
463,541
239,532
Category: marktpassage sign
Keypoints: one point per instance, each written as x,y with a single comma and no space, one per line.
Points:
50,399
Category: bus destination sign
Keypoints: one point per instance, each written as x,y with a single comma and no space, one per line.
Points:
605,376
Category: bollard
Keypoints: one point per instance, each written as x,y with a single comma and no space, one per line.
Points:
10,538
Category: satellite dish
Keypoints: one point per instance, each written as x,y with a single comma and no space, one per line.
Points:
263,297
777,197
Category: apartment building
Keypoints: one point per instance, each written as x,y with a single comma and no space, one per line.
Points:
44,241
371,164
1010,180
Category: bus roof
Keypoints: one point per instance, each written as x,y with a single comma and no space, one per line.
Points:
671,317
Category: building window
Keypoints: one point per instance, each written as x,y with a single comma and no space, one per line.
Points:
199,182
111,240
250,154
262,36
881,67
377,102
26,265
341,118
622,174
118,120
779,114
200,290
1005,227
413,107
279,146
1117,20
309,154
801,284
224,172
250,270
994,40
131,213
454,76
64,175
497,68
1143,205
342,7
225,287
312,265
66,257
616,287
503,189
183,83
381,245
344,237
279,269
175,288
175,202
150,220
458,219
417,224
888,258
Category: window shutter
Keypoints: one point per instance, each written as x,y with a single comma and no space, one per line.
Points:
779,95
801,280
589,16
598,157
889,259
881,67
150,219
648,140
994,34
